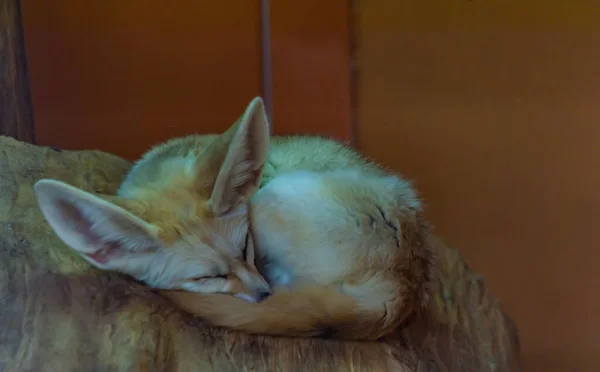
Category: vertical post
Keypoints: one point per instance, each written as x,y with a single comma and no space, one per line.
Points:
266,60
16,113
353,14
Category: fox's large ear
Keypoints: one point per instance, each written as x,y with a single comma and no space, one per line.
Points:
100,231
240,174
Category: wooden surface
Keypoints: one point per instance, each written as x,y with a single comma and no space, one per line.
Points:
311,67
16,118
122,76
492,107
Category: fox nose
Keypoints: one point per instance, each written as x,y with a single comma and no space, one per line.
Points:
253,297
261,295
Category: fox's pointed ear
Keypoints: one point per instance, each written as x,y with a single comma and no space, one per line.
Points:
100,231
240,173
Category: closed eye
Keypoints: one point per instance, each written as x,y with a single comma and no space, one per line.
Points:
203,278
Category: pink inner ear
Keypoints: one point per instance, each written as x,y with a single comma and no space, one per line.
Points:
107,253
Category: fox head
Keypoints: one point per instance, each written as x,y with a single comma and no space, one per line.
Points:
188,232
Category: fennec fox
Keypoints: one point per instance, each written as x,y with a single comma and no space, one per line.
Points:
341,243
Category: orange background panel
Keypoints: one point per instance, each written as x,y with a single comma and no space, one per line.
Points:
122,75
311,67
492,107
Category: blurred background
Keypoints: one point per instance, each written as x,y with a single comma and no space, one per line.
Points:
492,107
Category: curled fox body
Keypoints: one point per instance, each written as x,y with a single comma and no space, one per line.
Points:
294,236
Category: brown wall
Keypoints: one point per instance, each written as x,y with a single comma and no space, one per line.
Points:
120,76
311,68
493,108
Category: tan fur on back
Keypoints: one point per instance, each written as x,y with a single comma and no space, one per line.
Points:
321,155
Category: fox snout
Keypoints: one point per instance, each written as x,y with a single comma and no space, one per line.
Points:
254,297
249,285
